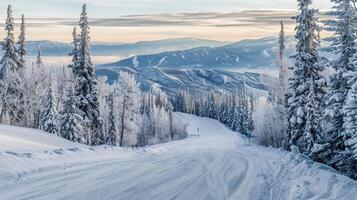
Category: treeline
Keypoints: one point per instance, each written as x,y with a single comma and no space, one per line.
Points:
234,109
73,104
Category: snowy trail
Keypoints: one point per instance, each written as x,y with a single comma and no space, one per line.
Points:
217,164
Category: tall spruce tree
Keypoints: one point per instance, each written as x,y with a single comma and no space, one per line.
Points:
306,100
10,62
344,26
345,153
39,61
22,51
86,84
282,39
340,98
11,76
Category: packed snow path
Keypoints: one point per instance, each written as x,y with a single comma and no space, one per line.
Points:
213,163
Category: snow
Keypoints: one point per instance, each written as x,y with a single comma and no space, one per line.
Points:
23,139
135,62
213,163
169,76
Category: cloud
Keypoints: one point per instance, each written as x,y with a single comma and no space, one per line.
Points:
227,26
214,19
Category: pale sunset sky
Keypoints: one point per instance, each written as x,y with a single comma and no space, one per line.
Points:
139,20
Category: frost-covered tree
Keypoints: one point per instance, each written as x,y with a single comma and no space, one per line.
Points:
72,127
343,23
283,69
49,120
75,51
10,62
282,39
340,99
345,154
86,84
128,110
11,77
112,134
22,51
158,111
39,61
244,115
306,101
270,117
38,82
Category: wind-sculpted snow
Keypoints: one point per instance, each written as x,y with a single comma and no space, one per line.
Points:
213,163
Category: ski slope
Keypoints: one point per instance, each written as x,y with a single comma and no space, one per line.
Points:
213,163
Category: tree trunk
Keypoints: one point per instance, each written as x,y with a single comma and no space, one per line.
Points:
122,124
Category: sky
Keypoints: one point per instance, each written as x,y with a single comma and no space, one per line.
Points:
143,20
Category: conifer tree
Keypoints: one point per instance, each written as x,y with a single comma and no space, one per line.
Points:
39,61
86,84
112,136
10,62
282,46
73,127
22,51
343,24
49,121
345,153
306,100
75,51
11,76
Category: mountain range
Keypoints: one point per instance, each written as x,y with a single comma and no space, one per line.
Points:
50,48
244,54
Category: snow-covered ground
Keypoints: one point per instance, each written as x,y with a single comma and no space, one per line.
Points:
213,163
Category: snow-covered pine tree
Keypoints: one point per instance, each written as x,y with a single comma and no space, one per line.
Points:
245,122
282,46
282,66
49,120
129,110
86,84
22,51
340,99
280,120
112,135
75,51
39,82
72,127
343,24
11,76
305,103
10,61
39,61
345,153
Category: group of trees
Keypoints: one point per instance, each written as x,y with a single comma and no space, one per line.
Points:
73,104
321,111
233,109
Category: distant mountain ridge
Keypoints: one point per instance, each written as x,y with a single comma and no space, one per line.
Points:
174,80
246,53
50,48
